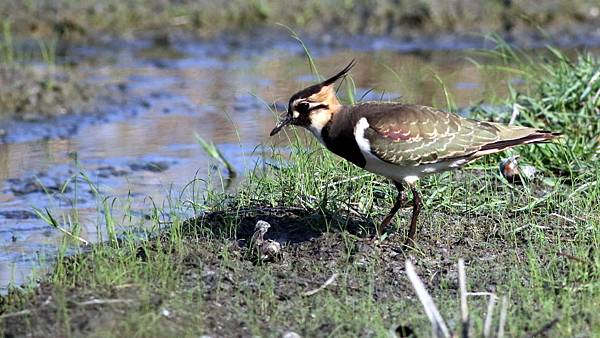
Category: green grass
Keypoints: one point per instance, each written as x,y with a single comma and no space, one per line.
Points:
568,104
536,244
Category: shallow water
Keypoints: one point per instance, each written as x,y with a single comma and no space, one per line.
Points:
147,146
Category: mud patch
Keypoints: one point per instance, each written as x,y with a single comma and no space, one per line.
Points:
18,214
110,170
152,166
100,109
217,290
31,93
38,184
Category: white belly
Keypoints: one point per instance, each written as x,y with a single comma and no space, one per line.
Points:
409,174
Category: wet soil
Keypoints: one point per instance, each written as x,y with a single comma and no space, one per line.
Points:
221,284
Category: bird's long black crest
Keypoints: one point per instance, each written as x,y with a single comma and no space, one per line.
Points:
308,91
343,72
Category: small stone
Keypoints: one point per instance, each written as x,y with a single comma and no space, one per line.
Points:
528,171
165,312
290,334
270,249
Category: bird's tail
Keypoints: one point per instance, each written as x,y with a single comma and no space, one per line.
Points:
511,136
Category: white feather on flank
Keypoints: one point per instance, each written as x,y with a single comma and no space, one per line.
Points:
458,163
359,135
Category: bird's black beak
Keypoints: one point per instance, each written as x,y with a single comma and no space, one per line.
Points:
288,119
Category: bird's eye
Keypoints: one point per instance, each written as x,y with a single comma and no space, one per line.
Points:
302,107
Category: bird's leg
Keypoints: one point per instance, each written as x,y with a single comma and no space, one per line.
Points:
397,204
415,214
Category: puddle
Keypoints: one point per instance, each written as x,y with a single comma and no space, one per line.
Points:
146,147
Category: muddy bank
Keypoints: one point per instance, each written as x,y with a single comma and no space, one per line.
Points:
45,101
217,287
30,92
82,20
36,125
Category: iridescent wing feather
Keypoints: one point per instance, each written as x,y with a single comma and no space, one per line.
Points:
409,135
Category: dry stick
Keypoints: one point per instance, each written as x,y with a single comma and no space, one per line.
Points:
503,311
481,294
563,217
105,301
464,308
327,282
15,314
70,234
439,327
575,258
487,324
544,328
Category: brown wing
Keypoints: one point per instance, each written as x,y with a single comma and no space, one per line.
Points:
413,135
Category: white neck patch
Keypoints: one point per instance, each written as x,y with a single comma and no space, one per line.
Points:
318,120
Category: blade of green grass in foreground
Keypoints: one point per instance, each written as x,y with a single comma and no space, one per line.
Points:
213,152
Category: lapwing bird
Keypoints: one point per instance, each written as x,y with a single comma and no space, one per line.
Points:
402,142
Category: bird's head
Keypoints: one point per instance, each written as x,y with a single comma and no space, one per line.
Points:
313,107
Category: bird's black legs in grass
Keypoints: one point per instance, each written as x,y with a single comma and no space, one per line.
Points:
390,215
415,214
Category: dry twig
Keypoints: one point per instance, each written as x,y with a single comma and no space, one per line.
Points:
503,312
572,221
464,308
327,282
50,219
15,314
487,324
515,113
105,301
439,328
544,328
